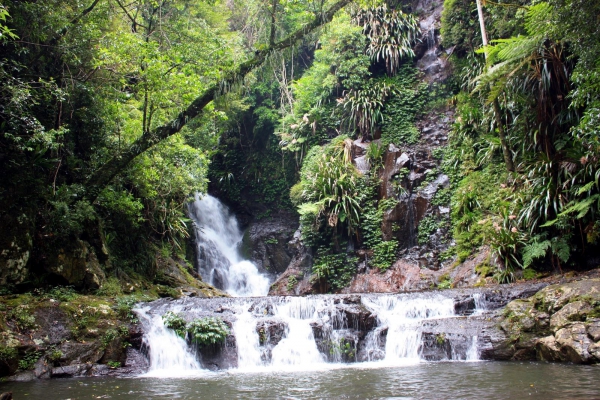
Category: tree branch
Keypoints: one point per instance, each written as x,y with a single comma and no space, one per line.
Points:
148,139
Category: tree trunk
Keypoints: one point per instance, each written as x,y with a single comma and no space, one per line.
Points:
501,133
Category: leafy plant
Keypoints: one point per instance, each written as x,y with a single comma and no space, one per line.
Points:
176,322
27,362
207,331
384,254
390,35
292,281
22,317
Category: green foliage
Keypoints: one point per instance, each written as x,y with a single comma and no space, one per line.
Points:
390,35
27,362
207,331
406,102
445,282
384,254
428,225
330,180
22,317
337,269
176,322
62,293
113,364
292,281
54,355
374,155
124,307
111,287
8,353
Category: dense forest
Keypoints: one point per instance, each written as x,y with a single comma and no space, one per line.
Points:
114,114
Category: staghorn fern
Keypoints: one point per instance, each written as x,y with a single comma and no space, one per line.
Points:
390,34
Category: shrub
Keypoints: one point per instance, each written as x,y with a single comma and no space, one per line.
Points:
207,331
384,254
22,317
176,322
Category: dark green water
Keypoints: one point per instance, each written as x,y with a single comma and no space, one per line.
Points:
480,380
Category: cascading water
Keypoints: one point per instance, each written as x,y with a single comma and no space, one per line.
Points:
402,318
317,332
168,353
218,238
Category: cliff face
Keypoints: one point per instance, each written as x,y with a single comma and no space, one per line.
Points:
411,175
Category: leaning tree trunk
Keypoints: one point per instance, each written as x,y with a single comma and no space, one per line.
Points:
112,167
501,133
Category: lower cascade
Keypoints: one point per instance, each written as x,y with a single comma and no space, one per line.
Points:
321,331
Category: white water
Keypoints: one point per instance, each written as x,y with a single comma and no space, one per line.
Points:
218,239
168,353
401,316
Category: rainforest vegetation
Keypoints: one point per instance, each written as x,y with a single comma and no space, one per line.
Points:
113,114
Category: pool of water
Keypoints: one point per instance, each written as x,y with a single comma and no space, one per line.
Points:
439,380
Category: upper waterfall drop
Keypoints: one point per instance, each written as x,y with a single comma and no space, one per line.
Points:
218,238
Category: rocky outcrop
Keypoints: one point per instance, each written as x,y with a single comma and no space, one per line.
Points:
177,274
77,265
559,323
267,242
51,338
295,280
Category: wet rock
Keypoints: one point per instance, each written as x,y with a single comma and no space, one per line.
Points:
593,329
135,362
594,351
270,332
574,343
221,356
25,376
356,316
576,311
267,240
54,326
400,276
296,278
81,353
554,297
71,371
464,305
175,273
548,349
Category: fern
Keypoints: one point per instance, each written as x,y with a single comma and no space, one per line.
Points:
535,250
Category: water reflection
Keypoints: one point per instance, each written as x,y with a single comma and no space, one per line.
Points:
487,380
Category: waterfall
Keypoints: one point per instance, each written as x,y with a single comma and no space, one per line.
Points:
168,353
403,318
318,332
218,239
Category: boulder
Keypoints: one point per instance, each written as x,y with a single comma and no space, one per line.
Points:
78,265
270,332
575,311
593,329
267,242
547,349
71,371
574,343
